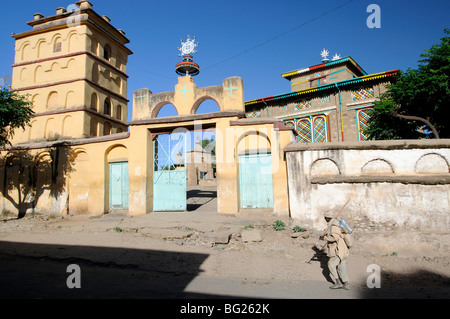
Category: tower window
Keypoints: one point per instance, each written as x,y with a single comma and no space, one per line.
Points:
107,53
107,107
57,46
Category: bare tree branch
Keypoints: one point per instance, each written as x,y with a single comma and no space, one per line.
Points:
420,119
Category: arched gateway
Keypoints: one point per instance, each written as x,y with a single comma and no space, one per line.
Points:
171,138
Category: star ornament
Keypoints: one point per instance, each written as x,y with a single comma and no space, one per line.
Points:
324,54
336,57
188,47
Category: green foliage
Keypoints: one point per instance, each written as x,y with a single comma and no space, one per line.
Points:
417,104
209,145
15,112
298,229
384,126
279,225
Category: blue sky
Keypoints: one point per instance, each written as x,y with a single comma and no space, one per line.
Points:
256,40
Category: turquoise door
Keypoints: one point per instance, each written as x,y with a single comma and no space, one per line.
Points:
255,181
118,185
169,172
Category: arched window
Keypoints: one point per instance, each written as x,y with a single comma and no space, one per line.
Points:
57,45
107,53
94,127
119,112
106,129
26,50
94,102
95,73
52,100
363,117
119,62
94,46
107,107
310,129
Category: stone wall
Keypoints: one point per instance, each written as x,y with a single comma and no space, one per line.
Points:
389,183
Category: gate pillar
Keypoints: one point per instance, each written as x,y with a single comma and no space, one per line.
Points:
140,171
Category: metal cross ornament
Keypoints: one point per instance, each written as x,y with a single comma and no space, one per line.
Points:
188,47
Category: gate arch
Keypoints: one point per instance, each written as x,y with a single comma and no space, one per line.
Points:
156,110
200,101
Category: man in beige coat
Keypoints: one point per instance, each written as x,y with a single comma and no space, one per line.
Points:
337,251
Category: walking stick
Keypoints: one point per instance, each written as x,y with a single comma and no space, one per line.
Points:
326,231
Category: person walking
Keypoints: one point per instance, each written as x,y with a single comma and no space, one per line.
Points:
338,252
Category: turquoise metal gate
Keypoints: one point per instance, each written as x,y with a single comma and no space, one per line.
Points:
255,181
169,172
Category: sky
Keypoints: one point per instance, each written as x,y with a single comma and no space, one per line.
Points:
255,40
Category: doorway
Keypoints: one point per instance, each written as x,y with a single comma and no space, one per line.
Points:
255,181
118,191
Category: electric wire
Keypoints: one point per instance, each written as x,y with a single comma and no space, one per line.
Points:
279,35
256,46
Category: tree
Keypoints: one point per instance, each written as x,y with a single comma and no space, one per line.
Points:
15,112
417,103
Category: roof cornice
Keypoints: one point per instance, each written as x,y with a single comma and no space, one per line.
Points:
348,59
323,87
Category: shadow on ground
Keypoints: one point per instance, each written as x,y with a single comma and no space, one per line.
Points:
41,271
419,284
197,198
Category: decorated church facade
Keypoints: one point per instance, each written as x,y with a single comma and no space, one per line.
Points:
329,102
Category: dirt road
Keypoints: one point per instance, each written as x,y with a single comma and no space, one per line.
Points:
201,255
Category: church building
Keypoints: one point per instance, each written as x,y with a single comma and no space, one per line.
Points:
73,67
329,102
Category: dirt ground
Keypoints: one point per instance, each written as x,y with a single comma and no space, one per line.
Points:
201,254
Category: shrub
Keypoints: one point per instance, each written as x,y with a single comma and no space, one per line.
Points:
298,229
279,225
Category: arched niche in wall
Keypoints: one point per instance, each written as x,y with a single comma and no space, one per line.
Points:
377,166
324,167
432,163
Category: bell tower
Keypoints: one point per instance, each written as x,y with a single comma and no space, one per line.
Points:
72,65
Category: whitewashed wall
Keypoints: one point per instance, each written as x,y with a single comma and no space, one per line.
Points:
405,183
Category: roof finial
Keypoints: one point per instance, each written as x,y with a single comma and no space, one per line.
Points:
189,46
324,54
336,57
188,67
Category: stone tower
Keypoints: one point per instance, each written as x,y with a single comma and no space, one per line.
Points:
72,65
